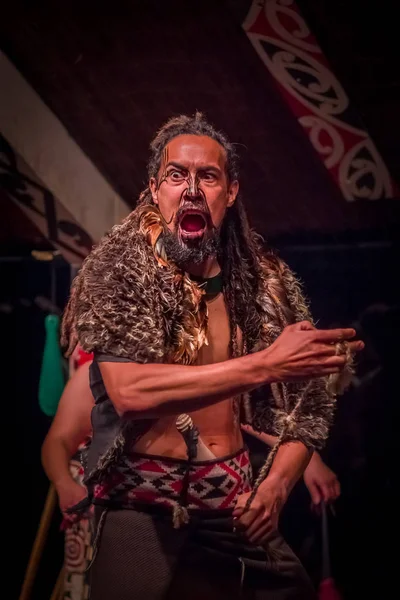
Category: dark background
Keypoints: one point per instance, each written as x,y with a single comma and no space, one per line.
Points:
113,74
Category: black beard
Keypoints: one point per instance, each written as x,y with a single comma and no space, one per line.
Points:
184,255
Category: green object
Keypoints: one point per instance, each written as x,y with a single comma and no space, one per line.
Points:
211,285
52,381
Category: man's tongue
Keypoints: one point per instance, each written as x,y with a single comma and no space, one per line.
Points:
191,223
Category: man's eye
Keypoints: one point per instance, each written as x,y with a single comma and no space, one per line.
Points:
176,175
208,176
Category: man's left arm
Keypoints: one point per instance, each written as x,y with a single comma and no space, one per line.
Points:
321,482
262,516
307,432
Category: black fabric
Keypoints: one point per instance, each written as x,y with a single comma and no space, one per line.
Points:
110,358
212,286
141,556
110,432
106,423
136,557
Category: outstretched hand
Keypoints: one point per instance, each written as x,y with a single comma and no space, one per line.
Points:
302,351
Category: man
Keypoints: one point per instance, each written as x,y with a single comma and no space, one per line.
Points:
186,317
69,432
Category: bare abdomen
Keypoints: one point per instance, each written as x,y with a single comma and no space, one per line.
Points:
219,430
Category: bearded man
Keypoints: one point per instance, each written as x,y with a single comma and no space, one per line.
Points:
187,316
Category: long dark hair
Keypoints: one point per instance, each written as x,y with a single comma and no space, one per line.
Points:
240,252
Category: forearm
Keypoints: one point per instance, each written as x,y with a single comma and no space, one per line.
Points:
270,440
288,466
55,461
266,438
156,390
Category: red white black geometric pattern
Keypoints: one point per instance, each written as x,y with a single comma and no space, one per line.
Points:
157,480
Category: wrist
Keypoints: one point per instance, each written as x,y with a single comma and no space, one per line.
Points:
265,371
315,459
278,484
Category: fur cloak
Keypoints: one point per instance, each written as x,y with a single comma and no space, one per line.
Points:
129,301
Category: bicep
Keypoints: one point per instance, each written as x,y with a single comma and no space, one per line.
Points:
117,374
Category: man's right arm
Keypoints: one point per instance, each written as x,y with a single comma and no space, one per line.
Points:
142,391
70,427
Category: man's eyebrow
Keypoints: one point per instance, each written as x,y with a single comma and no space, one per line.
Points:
210,168
178,165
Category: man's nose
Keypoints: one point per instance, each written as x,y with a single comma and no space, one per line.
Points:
193,191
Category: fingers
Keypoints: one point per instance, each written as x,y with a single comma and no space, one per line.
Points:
247,518
325,335
326,493
237,512
330,336
336,489
240,506
253,529
303,326
257,530
335,361
326,350
261,535
326,366
327,371
330,490
331,349
314,493
332,494
356,346
317,372
334,335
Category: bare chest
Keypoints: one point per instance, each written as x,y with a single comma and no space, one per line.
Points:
218,334
218,424
218,419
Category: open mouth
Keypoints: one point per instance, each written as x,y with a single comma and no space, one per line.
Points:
192,224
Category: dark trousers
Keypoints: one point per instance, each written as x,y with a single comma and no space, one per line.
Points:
141,557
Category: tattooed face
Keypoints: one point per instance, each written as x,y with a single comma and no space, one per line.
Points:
193,192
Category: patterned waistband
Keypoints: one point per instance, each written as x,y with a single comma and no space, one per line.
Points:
148,479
